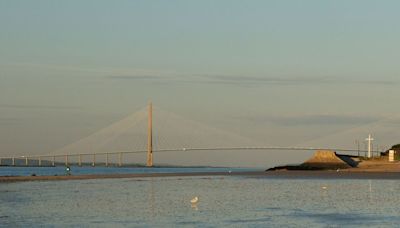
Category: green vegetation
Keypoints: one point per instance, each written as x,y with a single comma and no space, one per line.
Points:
396,149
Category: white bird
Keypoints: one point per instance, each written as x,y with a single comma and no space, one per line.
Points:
194,200
324,187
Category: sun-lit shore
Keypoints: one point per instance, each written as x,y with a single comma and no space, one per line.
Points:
133,175
373,169
323,164
376,165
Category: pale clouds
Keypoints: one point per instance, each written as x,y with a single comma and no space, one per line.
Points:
9,121
40,107
312,119
238,80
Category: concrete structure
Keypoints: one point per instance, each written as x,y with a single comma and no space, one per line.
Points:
391,155
150,137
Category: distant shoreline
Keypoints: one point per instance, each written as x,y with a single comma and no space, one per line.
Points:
130,175
293,174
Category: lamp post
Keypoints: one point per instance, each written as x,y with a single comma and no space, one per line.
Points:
358,147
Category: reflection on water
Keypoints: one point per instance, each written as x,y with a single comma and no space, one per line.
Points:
194,207
224,201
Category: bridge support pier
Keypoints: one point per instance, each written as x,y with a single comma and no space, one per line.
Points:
53,163
26,161
94,160
106,159
13,161
40,161
80,160
120,159
66,160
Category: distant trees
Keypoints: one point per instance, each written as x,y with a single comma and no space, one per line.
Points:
395,147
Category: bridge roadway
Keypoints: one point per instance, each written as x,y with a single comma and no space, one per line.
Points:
120,154
259,148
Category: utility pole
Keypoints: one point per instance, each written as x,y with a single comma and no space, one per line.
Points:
369,139
150,137
358,147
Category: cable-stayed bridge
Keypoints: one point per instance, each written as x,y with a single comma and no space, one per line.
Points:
148,131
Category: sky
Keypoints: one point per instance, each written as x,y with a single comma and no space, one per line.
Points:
318,73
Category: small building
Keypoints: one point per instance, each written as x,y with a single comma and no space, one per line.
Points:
395,150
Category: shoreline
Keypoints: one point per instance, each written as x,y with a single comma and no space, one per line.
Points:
289,174
125,175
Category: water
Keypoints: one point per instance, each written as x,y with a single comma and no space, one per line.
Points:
232,201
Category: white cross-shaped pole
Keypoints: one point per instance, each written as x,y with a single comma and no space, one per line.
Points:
369,139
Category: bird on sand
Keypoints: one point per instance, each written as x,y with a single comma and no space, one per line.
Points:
194,200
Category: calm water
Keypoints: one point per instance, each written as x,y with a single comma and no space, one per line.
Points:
224,201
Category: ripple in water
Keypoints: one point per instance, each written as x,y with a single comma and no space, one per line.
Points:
228,201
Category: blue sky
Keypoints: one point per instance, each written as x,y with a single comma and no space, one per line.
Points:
285,72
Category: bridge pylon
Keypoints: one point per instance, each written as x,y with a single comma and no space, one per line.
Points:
150,136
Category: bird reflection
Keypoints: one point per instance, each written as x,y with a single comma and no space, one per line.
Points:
194,207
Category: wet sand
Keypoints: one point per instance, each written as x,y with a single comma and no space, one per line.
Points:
133,175
354,173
